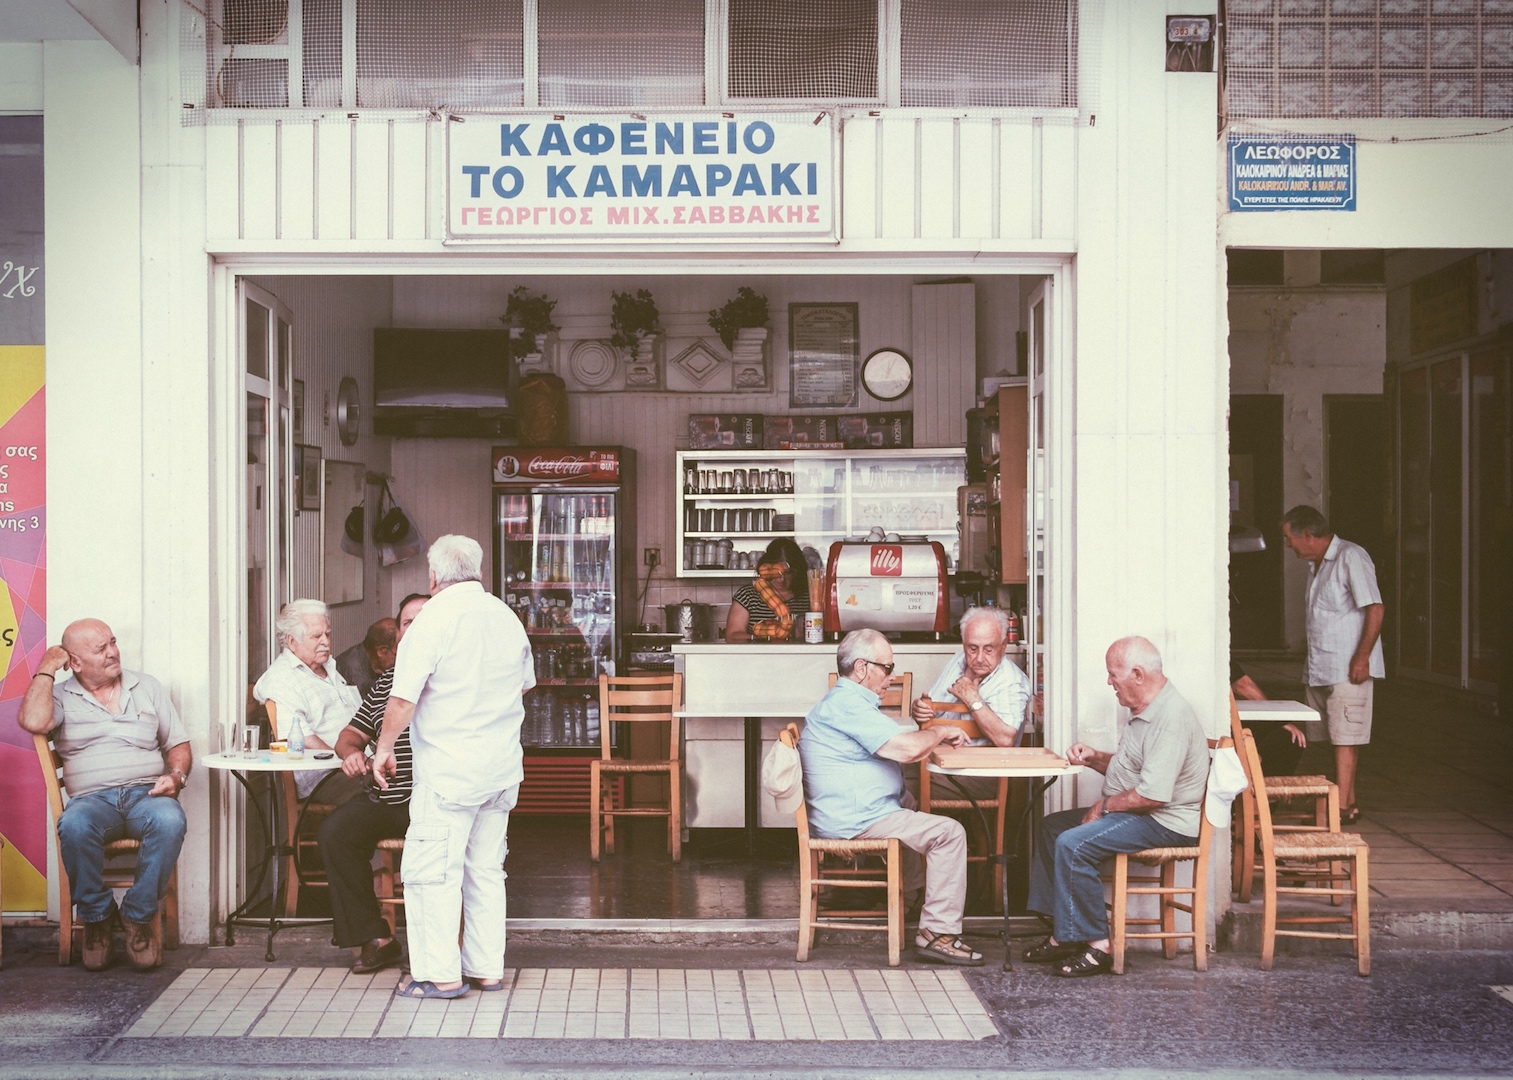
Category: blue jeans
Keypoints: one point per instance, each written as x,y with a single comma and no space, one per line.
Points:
1064,881
91,821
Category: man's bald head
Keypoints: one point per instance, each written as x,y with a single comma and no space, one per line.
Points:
1134,671
92,653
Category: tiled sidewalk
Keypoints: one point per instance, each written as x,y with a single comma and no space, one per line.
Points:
575,1003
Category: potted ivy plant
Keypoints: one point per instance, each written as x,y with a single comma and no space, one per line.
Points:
531,316
747,310
633,318
742,326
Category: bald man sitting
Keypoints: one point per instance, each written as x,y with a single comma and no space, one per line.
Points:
1153,786
126,757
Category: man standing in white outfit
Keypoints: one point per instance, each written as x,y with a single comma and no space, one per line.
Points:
459,676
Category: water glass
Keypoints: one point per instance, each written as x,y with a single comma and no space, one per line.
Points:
250,737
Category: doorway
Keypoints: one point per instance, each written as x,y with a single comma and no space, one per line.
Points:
1356,472
1255,475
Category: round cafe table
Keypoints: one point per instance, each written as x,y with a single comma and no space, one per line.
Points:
265,761
1040,766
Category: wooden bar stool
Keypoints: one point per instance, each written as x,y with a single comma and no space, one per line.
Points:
1297,856
814,876
636,699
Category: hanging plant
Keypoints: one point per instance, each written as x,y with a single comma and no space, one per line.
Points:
531,315
633,317
746,310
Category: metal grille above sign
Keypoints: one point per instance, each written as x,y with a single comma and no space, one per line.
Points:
602,178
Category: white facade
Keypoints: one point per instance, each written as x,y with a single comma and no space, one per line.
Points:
149,222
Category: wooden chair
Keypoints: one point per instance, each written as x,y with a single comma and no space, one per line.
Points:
895,698
312,811
1296,856
956,714
636,699
116,878
814,876
1164,885
1244,838
388,885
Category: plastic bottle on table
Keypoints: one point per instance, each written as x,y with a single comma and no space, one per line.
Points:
296,741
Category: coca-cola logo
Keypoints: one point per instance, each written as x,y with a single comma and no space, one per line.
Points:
509,465
887,560
598,464
561,466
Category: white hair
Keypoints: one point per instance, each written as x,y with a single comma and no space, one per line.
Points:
290,623
455,558
858,645
997,616
1137,652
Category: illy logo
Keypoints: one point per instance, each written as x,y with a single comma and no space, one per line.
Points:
887,560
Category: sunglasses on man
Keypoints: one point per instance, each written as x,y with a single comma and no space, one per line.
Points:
887,668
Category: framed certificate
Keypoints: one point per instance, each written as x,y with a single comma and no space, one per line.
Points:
822,356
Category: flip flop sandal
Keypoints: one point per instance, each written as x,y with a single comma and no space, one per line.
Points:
946,949
428,989
1089,961
1350,815
1049,952
486,987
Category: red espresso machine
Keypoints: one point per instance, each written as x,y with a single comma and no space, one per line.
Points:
893,588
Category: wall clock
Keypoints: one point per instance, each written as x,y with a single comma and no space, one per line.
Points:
887,374
348,411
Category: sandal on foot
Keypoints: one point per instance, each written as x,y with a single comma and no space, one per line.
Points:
945,949
485,986
1088,961
1350,815
428,989
1049,952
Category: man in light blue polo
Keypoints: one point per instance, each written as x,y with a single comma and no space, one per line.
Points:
1344,619
854,786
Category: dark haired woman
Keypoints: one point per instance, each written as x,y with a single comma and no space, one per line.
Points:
772,607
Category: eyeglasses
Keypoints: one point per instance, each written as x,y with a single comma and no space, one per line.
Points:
887,668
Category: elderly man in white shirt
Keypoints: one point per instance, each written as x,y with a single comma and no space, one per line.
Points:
983,678
1344,620
461,671
302,682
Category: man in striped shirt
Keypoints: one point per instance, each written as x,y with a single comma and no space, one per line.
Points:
351,834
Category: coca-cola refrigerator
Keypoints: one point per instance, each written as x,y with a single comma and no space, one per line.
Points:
564,561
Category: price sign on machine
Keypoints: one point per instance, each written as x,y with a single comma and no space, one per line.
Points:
652,178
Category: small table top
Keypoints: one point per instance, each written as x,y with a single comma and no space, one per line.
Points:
999,761
1282,712
267,761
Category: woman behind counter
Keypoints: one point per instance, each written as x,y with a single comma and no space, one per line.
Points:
772,607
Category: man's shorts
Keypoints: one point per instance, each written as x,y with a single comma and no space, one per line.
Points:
1346,708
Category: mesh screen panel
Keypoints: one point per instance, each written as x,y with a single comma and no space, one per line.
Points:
620,52
978,53
458,53
322,44
806,49
1363,58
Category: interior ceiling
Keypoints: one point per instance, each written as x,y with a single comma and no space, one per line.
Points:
44,20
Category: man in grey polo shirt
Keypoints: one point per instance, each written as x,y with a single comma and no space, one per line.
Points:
1152,796
126,757
1344,618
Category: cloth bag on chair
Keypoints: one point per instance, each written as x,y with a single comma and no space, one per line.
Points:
394,531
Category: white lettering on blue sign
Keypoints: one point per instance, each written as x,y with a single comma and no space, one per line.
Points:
1291,172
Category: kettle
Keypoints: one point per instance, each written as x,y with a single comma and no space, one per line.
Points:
691,621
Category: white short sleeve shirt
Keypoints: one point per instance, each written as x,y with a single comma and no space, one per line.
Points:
1006,690
465,662
1339,591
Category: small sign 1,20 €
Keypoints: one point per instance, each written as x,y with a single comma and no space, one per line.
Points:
1291,172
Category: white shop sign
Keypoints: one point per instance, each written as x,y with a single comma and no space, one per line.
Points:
654,178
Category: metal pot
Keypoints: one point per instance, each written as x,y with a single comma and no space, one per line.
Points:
690,621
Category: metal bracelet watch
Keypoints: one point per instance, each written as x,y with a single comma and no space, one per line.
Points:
974,706
182,775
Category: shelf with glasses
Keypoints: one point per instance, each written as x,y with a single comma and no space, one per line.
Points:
834,494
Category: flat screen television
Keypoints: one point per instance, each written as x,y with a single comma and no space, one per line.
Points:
441,369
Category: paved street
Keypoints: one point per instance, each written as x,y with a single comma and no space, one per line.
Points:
1419,1012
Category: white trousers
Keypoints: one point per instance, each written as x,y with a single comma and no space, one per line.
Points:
453,870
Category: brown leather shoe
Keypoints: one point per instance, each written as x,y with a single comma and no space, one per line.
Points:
144,944
97,939
377,957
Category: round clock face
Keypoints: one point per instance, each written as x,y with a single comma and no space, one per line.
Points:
887,374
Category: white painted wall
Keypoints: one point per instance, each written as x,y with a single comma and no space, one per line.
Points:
20,77
1303,343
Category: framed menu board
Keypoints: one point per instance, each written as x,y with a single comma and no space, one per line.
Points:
822,356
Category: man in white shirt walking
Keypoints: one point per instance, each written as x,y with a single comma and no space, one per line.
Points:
1344,619
459,677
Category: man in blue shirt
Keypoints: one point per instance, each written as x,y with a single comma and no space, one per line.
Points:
854,786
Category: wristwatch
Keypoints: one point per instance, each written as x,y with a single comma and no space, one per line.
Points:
182,775
974,706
